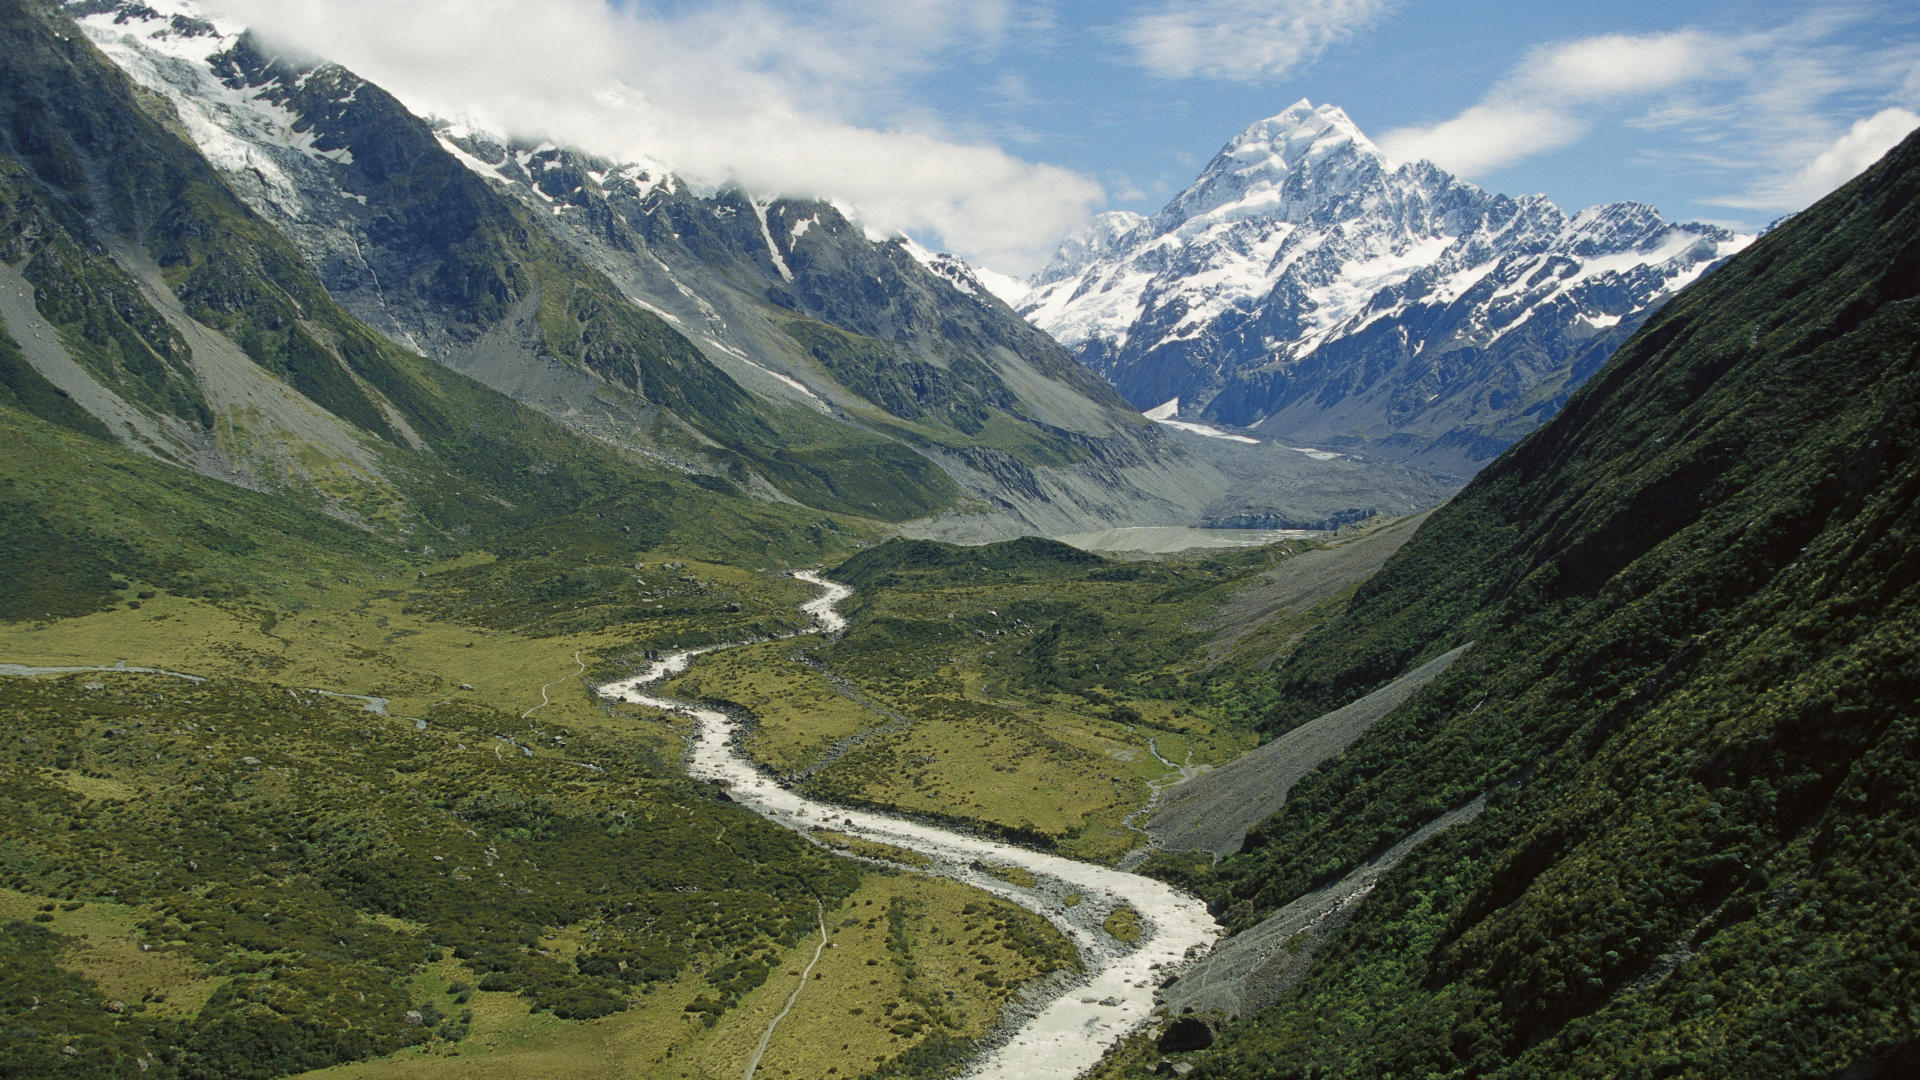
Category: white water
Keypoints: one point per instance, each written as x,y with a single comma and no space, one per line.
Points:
1064,1037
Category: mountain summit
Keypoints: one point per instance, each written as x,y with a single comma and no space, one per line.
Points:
1306,288
1292,162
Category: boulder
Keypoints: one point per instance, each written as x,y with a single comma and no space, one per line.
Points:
1185,1034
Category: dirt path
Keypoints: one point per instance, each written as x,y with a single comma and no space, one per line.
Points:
766,1036
544,700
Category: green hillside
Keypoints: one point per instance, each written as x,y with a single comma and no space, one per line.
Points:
481,264
927,562
1691,701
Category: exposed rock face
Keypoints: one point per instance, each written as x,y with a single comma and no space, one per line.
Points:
1307,290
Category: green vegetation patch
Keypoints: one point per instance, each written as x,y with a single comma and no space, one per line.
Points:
800,712
872,849
1124,924
312,856
929,563
916,971
1015,875
82,523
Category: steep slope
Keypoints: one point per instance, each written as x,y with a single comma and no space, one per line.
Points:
145,305
1690,703
467,268
770,343
1303,288
138,289
87,177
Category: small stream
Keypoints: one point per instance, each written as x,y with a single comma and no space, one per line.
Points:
1058,1038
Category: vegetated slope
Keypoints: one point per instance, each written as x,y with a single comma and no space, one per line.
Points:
928,562
800,302
767,343
1307,289
144,302
146,308
1692,700
457,262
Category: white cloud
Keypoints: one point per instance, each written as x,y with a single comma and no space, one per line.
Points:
1616,65
1484,137
1773,112
1537,107
1866,142
1245,40
793,99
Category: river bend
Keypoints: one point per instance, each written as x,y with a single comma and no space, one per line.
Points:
1060,1038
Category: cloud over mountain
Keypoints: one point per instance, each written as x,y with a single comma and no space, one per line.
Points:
780,99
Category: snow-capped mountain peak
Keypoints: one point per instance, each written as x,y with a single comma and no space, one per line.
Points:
1300,274
1287,160
1303,134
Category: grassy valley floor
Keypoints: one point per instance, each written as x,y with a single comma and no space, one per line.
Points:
391,781
1027,687
376,823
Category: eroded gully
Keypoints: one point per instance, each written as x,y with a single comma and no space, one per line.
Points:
1059,1036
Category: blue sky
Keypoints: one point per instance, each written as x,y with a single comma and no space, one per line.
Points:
1741,98
991,127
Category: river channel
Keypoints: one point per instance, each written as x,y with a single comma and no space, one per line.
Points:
1057,1038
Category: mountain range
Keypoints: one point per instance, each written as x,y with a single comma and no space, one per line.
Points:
1306,290
918,401
768,344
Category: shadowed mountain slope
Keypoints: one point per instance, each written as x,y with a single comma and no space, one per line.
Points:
1691,703
145,306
